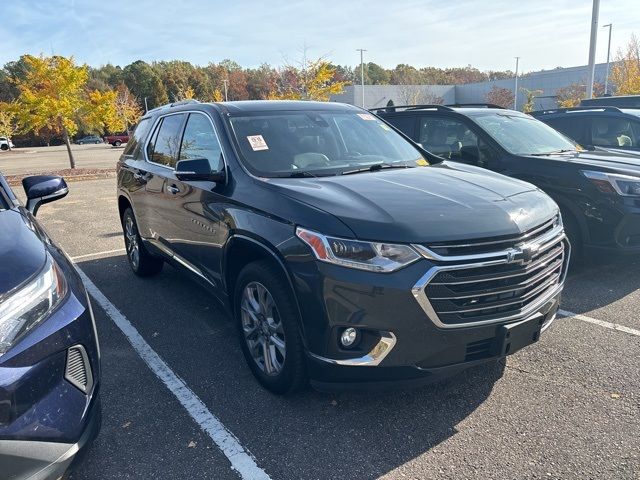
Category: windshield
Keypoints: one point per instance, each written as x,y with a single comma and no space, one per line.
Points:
524,135
292,143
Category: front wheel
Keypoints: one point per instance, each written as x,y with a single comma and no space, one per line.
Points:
4,147
268,326
117,143
141,261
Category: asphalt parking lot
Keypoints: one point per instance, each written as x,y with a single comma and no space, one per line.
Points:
47,159
567,407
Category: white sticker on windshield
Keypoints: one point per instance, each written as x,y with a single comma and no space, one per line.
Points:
366,116
257,143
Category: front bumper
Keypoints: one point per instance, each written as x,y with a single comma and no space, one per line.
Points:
403,341
49,384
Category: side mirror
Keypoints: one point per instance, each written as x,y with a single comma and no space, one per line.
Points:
198,169
41,189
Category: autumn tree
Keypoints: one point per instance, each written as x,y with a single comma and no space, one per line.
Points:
500,96
530,95
143,82
53,96
313,80
572,94
625,74
8,120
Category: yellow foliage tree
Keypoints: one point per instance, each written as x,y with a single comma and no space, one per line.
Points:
128,110
625,74
312,81
8,120
53,96
217,95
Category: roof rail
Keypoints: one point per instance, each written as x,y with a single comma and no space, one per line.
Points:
174,104
393,108
596,108
475,105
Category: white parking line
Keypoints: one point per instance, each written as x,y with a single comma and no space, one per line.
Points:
98,254
241,460
602,323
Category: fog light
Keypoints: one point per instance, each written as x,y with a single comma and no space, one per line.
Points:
349,337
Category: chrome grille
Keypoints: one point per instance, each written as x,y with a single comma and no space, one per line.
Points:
504,284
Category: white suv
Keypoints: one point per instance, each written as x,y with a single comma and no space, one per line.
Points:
5,143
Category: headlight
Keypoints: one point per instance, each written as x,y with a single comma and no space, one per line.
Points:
377,257
25,308
625,185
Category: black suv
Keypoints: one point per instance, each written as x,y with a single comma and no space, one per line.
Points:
341,253
607,127
598,191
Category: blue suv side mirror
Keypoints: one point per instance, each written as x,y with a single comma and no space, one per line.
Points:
41,189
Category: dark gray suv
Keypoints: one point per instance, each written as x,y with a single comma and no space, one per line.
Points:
344,253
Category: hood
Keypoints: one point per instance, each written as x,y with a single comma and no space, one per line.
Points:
425,204
627,162
22,253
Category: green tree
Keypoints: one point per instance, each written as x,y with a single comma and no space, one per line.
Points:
144,82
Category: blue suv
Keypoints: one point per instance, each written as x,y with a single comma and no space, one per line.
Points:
49,355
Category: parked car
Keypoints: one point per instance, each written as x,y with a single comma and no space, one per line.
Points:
117,140
611,128
5,143
621,101
89,139
342,255
49,355
597,191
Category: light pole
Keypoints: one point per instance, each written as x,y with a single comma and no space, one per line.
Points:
361,50
592,47
225,89
515,93
606,79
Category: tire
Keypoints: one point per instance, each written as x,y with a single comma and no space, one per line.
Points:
279,328
98,142
4,147
140,260
117,143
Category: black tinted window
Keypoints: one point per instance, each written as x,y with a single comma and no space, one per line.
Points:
445,136
200,141
406,124
613,132
573,127
166,142
134,146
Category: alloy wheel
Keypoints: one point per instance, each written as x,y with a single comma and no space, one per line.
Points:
131,240
262,328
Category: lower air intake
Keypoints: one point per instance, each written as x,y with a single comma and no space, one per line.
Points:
78,370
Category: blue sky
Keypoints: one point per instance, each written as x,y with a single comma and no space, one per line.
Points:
486,34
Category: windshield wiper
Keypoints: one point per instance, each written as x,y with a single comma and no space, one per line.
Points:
301,174
375,168
564,150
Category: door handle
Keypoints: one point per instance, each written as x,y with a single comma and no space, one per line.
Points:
173,189
140,175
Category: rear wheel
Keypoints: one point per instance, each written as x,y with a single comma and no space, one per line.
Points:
141,261
117,143
4,146
98,142
268,326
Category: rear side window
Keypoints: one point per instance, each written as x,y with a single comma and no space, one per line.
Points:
134,146
445,136
200,141
165,144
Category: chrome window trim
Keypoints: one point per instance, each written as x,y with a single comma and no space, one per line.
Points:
418,290
377,354
187,112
